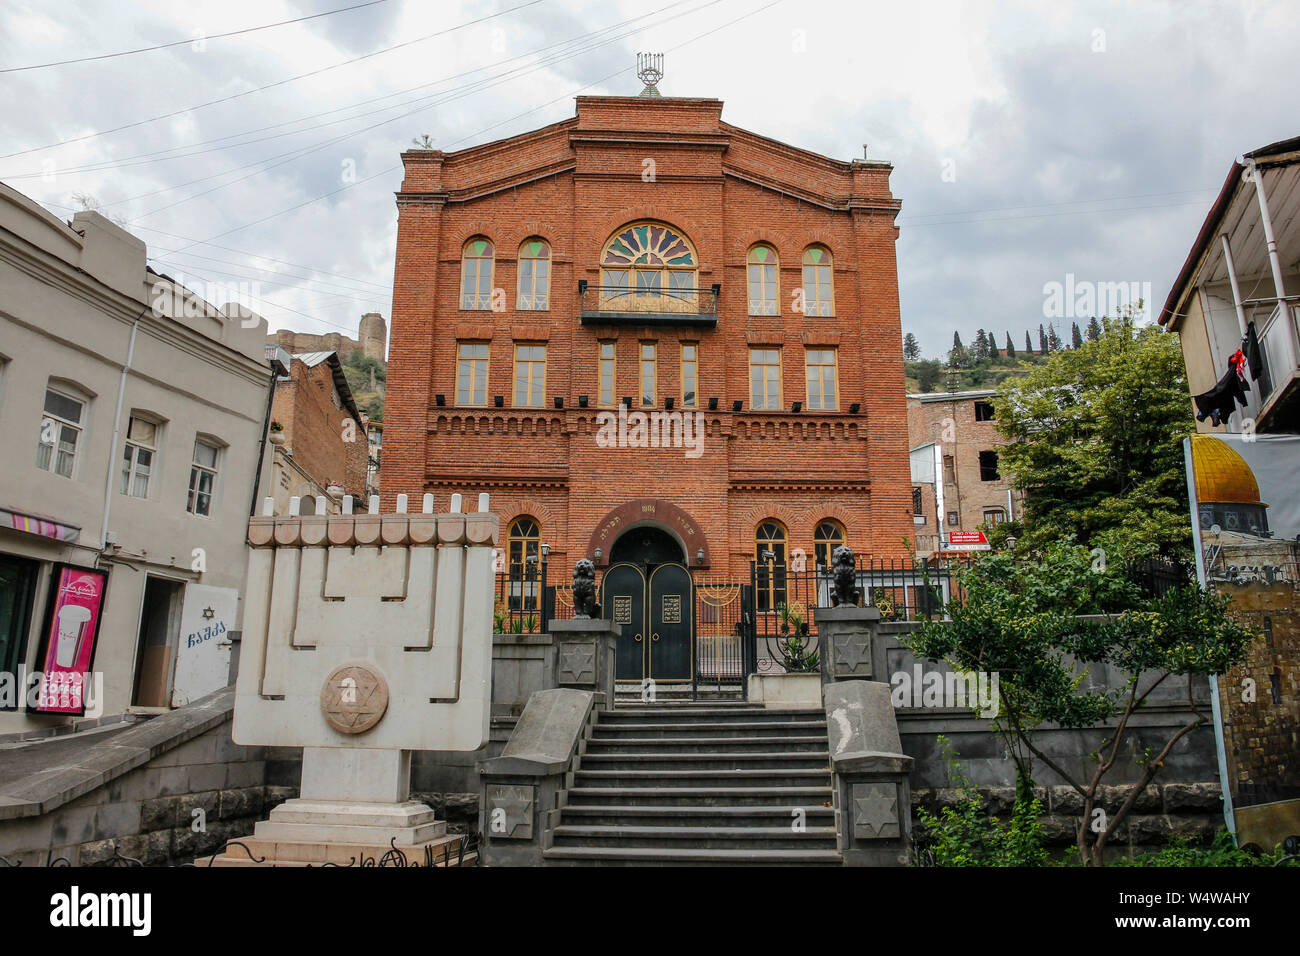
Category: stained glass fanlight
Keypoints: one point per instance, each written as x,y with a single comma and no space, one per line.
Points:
651,263
648,244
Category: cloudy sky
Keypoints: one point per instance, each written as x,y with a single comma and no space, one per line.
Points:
1031,140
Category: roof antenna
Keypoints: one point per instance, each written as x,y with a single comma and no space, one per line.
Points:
650,70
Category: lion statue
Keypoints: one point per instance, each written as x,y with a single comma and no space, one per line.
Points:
584,590
843,567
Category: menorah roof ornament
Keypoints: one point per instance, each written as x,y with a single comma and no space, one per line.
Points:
650,70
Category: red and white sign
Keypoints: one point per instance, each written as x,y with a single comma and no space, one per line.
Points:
966,541
70,639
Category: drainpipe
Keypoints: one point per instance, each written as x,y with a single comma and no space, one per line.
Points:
261,446
1232,277
1274,262
117,430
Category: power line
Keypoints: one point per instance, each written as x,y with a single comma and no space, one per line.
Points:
164,46
1069,202
148,156
259,89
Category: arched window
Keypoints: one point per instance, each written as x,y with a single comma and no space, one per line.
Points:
828,536
769,557
534,276
648,267
764,282
523,561
818,290
476,274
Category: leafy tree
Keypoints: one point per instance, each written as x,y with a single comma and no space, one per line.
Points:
1041,624
1094,329
911,347
981,348
1076,337
1094,440
927,374
1042,340
1011,349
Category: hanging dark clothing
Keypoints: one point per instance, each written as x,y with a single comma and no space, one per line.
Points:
1253,356
1220,402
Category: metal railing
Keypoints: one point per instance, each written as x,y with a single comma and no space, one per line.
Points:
1279,350
663,306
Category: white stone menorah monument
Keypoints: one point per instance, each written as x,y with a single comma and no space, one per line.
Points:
365,637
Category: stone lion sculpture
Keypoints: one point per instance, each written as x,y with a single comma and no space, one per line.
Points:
584,590
843,568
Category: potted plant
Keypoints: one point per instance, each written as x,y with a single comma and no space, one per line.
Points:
278,436
335,489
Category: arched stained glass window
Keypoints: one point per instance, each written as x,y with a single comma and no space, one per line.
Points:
477,261
652,263
764,282
769,559
828,536
534,276
818,287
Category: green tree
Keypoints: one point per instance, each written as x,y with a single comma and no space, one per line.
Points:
1011,349
927,374
958,357
1053,340
1094,440
1042,340
911,347
1076,337
981,348
1042,624
1029,347
1094,329
992,346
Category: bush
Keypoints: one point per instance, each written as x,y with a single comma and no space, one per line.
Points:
1223,851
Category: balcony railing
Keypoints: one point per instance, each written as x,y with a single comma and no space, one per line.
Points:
604,304
1279,349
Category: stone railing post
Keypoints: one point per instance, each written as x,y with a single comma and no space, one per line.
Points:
873,819
846,639
584,656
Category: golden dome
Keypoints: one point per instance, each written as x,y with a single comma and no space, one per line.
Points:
1222,475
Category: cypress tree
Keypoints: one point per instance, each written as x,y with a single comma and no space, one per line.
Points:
1076,337
1042,340
1029,346
1011,349
1094,329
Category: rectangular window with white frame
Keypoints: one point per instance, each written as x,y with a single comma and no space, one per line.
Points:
60,435
138,457
203,477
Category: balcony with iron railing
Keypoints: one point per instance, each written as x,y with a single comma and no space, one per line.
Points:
614,304
1279,388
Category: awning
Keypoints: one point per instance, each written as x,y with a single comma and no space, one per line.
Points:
39,524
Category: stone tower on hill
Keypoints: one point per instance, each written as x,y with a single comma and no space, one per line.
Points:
372,339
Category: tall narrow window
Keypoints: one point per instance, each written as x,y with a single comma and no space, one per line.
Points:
649,370
523,555
818,292
828,536
764,290
137,457
949,470
690,374
918,505
530,376
534,276
823,391
203,478
476,275
769,561
765,379
472,373
56,449
608,364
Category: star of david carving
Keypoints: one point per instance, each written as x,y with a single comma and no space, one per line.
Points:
875,812
579,660
851,651
354,698
517,802
209,614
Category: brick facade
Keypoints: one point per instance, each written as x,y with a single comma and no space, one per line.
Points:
950,420
575,184
315,416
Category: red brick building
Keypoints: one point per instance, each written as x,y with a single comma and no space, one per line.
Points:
646,251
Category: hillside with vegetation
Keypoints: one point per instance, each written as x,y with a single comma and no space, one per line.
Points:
990,358
367,377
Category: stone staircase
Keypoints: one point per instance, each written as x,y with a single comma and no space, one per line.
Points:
708,783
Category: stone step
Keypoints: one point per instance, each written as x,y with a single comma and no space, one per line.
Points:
697,816
703,778
770,761
624,836
668,856
685,714
709,729
695,796
701,744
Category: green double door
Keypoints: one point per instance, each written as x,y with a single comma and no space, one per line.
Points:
655,607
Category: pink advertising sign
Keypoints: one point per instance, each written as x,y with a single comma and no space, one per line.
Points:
70,638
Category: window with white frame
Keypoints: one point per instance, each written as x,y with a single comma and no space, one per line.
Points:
61,426
137,457
203,477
